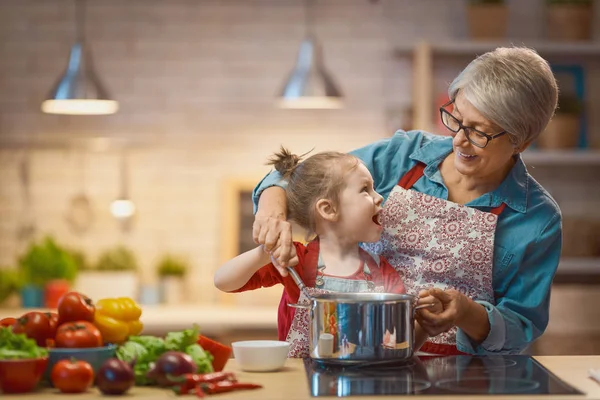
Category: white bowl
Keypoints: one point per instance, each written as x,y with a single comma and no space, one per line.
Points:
260,355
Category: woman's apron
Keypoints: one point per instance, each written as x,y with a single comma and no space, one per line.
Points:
433,242
298,335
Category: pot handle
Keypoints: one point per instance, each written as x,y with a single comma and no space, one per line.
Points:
303,306
424,306
415,308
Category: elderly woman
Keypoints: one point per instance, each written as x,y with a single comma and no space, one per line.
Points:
463,219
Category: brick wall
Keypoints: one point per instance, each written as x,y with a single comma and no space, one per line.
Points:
196,81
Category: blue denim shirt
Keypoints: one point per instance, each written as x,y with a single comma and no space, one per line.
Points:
528,235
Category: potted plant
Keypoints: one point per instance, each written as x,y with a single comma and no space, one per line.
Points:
568,20
487,19
47,271
563,130
10,282
171,271
113,275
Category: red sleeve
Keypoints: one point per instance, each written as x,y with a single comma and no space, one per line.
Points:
268,276
392,282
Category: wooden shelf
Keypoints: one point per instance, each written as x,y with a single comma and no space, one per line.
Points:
423,54
471,48
581,157
579,266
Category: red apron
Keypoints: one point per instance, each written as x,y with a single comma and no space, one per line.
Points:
437,243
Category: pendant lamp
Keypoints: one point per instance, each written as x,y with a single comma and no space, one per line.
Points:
310,85
79,91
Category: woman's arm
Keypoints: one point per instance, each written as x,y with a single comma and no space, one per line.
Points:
271,228
236,272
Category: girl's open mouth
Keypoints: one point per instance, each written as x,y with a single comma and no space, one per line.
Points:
376,219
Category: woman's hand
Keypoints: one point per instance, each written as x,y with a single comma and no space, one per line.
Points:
271,229
434,305
276,255
453,307
275,237
271,232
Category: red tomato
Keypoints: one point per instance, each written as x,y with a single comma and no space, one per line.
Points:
8,321
219,351
75,306
78,334
72,376
53,317
35,325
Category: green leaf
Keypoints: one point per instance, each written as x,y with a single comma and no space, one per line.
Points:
45,261
119,258
202,358
179,341
18,346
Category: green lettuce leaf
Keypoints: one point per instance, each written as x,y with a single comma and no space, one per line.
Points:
18,346
202,358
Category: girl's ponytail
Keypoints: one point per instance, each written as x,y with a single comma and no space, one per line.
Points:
284,162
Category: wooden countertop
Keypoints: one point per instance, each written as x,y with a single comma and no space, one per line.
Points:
290,383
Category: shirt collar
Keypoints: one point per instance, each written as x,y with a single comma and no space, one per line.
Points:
512,191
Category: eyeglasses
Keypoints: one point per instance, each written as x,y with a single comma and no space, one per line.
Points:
475,137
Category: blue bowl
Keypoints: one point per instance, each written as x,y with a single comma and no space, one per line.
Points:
95,356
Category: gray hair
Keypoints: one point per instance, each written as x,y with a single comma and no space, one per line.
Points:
512,87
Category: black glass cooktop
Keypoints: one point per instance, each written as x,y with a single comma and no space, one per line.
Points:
433,375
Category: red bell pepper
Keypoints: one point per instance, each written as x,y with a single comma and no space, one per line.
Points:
219,351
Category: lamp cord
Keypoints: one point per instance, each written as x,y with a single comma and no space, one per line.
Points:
80,20
309,16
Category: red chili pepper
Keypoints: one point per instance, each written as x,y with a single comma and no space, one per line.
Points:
226,386
199,391
187,382
181,389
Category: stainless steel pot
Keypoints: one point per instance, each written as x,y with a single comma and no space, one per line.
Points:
349,328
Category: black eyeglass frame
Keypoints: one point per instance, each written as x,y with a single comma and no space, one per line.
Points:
467,129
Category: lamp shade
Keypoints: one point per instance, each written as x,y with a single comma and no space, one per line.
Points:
79,90
310,85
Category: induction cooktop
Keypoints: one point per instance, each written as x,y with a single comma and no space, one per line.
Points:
435,375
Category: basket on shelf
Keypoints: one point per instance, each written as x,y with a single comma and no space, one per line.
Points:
569,20
563,130
487,19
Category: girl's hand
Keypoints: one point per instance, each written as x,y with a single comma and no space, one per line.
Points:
454,306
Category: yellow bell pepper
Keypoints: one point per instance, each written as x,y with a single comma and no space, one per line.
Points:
117,319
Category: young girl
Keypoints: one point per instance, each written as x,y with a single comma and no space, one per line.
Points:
331,195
